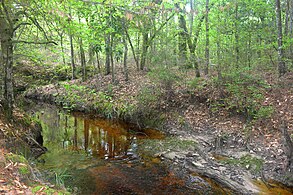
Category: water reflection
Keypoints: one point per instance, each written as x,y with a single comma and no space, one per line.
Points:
97,137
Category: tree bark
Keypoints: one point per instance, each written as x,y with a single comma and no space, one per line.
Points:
282,65
62,47
7,60
98,61
131,45
125,58
145,46
112,58
182,39
207,49
107,63
82,59
6,34
73,69
236,35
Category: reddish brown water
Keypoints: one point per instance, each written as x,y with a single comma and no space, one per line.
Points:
98,156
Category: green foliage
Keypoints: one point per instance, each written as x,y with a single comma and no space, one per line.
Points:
254,164
244,94
147,106
47,190
23,170
61,176
166,77
197,83
16,158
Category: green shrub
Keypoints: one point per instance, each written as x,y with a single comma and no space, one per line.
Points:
244,95
164,76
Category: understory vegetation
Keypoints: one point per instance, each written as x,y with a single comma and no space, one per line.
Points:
224,68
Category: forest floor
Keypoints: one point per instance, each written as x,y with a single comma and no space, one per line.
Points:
230,148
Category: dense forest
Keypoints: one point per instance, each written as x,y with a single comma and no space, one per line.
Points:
215,71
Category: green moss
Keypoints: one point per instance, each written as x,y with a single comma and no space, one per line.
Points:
16,158
23,170
47,190
249,162
168,144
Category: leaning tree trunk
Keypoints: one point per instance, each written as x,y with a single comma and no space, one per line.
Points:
282,66
6,33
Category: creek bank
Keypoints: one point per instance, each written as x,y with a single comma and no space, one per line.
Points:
214,136
20,142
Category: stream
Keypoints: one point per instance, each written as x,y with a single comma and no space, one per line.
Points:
96,156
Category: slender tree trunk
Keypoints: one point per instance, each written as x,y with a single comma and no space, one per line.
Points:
287,17
125,58
191,17
291,29
145,46
62,48
131,45
182,39
98,61
108,53
112,58
236,35
82,59
73,68
282,65
207,49
91,55
249,50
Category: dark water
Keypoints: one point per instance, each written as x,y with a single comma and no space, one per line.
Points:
97,156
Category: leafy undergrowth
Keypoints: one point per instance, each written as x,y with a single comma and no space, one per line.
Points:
17,177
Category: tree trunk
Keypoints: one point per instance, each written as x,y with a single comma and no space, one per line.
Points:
112,58
182,40
282,66
289,29
207,50
62,48
191,17
6,34
145,46
125,58
98,61
107,63
91,55
82,59
7,59
236,35
131,45
73,69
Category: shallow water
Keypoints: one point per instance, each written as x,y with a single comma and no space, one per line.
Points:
98,156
